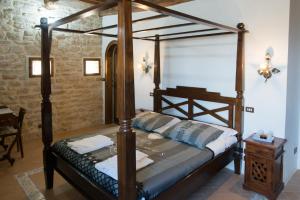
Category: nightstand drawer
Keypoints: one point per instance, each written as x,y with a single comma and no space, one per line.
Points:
263,152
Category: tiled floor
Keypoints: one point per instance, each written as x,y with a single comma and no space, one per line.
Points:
225,186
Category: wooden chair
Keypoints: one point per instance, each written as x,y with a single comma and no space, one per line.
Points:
19,135
13,131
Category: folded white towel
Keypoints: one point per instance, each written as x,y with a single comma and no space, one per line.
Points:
5,111
221,144
110,165
90,144
218,145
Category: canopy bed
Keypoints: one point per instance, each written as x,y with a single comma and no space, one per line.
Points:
127,188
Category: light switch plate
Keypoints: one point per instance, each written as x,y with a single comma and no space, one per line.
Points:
250,109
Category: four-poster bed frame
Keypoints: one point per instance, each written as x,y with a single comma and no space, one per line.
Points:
126,106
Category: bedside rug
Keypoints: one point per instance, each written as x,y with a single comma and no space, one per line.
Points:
30,189
32,183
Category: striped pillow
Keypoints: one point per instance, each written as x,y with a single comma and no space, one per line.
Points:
150,121
198,135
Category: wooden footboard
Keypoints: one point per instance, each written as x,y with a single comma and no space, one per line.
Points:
79,180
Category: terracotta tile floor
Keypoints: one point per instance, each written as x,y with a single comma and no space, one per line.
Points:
225,186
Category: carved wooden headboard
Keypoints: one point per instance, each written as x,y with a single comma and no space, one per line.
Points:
190,97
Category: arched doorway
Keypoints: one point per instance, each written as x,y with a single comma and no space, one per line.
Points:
111,83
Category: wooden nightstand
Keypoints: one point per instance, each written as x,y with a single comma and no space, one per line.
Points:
263,167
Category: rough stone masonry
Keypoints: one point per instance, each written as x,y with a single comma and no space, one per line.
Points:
77,99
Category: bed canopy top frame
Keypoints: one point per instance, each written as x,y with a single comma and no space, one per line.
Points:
126,105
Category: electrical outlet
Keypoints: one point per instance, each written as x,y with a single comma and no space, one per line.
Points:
295,150
250,109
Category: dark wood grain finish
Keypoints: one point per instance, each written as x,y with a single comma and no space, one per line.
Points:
47,135
164,27
156,78
133,21
239,81
264,167
180,33
239,87
160,2
190,95
114,11
8,119
94,33
197,36
110,67
126,105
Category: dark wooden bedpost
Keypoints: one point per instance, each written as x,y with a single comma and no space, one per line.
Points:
239,87
156,97
126,104
46,103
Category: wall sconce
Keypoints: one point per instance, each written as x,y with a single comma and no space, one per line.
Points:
146,66
50,4
267,69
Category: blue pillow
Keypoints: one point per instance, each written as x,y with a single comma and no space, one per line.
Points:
198,135
150,121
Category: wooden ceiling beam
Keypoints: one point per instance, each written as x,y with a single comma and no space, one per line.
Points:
85,13
160,2
114,11
134,21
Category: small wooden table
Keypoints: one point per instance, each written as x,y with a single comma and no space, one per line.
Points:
263,167
7,118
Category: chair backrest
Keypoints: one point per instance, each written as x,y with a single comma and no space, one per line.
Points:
21,117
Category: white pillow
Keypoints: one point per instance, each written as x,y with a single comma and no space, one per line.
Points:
220,144
227,131
154,136
162,129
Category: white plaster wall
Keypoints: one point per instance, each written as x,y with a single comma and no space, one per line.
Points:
211,62
293,89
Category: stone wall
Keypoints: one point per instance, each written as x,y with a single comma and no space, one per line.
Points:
77,99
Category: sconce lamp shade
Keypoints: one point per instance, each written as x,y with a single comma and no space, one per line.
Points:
50,4
146,66
267,70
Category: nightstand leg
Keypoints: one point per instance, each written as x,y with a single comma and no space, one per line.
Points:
237,165
238,155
